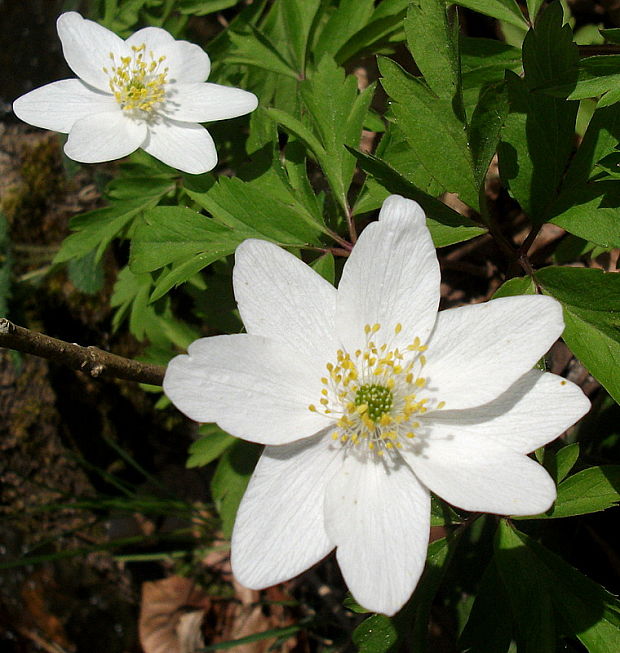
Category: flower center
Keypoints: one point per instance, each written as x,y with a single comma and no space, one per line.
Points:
376,398
137,83
377,395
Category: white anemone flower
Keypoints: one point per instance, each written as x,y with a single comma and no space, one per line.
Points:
146,92
368,399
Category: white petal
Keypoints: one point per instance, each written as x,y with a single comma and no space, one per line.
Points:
280,297
57,106
186,62
533,411
104,137
478,351
279,530
480,474
391,277
378,516
254,388
87,47
206,102
182,145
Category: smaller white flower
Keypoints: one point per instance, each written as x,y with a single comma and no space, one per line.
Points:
368,399
148,91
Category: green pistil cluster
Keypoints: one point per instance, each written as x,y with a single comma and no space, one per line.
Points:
377,398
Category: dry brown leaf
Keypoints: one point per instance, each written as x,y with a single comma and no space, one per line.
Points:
161,612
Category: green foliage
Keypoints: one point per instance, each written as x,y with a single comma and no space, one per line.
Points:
211,445
537,139
231,477
548,596
591,303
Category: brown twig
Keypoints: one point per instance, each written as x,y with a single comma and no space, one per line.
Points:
90,360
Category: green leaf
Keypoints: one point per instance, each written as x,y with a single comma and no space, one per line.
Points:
565,460
231,478
377,634
516,286
384,26
350,17
591,302
611,35
434,133
533,7
487,60
96,229
485,127
260,209
482,634
507,10
86,273
446,225
170,233
254,48
528,595
210,446
326,267
432,39
298,18
595,76
591,490
583,609
591,212
538,136
337,112
600,140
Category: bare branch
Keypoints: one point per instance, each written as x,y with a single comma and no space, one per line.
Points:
90,360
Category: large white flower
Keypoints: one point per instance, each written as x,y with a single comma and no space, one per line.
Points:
148,91
368,399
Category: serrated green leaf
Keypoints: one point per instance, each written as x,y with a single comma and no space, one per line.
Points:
516,286
254,210
591,490
211,445
96,229
433,131
231,478
446,225
337,112
507,10
591,302
432,39
298,19
170,233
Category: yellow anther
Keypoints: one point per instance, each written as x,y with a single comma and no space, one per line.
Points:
410,434
335,435
376,327
441,404
367,329
361,409
312,408
398,328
